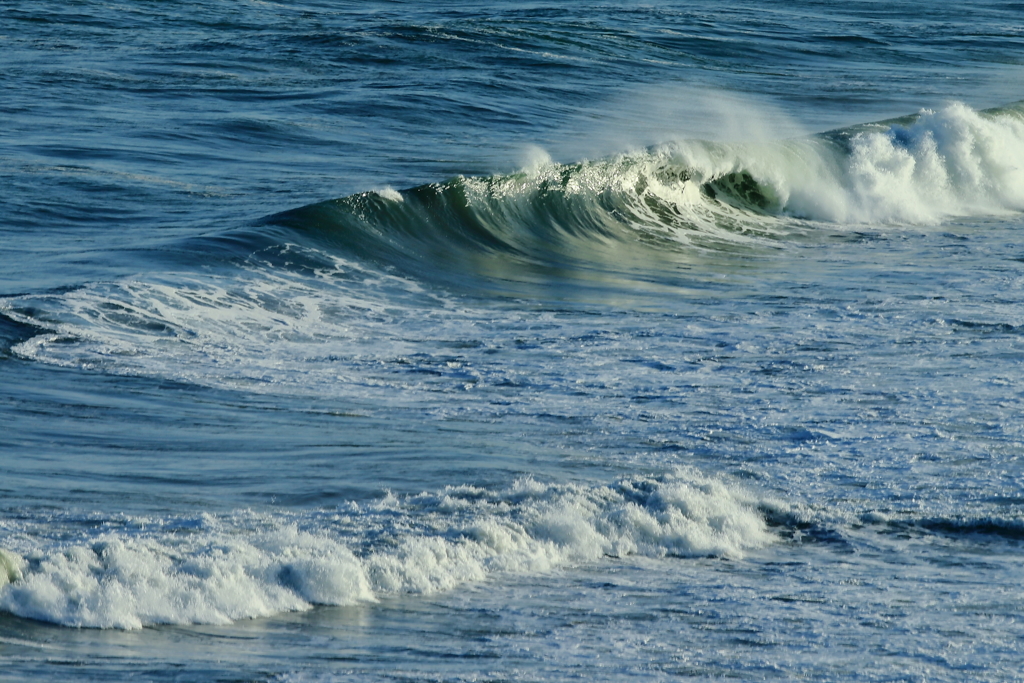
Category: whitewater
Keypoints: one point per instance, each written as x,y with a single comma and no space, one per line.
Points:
382,342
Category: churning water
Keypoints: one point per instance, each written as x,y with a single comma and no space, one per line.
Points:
377,341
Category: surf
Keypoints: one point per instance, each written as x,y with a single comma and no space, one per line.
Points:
692,194
312,299
216,569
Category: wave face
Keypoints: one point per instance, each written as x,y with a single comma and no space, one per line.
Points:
209,569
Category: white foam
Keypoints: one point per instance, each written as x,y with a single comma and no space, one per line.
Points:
115,581
249,565
258,328
948,163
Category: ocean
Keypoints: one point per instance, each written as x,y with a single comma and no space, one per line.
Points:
511,341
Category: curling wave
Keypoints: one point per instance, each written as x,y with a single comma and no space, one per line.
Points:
919,169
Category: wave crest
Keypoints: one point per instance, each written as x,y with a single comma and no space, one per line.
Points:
926,168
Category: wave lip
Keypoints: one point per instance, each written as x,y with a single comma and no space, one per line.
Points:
218,570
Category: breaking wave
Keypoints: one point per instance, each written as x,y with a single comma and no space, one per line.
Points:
921,169
132,572
330,293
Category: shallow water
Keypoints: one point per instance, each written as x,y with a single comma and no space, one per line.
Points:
511,342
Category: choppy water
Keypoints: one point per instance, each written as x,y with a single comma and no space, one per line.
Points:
514,341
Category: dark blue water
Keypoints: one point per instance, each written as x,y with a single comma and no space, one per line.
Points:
514,341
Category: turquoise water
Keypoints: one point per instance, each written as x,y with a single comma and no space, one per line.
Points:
511,342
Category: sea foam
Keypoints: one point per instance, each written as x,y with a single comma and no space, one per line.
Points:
250,565
950,162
